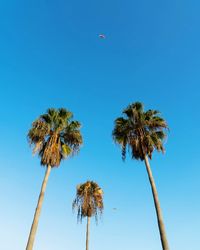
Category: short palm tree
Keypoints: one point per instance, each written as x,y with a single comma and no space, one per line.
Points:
143,132
88,202
54,136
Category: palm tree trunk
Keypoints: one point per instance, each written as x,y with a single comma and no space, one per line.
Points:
87,233
38,211
161,226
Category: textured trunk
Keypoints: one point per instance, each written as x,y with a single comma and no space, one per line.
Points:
161,226
37,211
88,233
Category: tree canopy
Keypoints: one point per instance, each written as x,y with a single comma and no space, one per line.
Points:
55,136
89,200
140,131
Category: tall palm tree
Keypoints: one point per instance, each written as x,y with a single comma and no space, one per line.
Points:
142,133
54,136
88,202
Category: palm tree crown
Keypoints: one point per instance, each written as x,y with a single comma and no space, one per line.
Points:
89,200
55,136
140,131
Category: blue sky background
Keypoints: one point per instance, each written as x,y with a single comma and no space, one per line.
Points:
51,56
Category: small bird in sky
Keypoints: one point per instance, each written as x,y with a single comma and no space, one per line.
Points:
102,36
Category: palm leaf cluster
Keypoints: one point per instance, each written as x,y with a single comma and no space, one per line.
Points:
55,136
89,200
139,131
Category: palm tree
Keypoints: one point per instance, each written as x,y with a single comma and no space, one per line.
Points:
143,132
89,202
54,136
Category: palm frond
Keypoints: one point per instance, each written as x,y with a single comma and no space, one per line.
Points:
65,114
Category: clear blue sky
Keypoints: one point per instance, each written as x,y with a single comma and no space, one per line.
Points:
51,56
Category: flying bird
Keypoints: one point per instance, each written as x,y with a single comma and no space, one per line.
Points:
102,36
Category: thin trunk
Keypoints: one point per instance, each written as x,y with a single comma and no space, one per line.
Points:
161,226
38,211
87,233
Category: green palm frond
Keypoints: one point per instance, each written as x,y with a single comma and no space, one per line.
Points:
65,114
66,150
134,108
72,137
52,113
38,132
